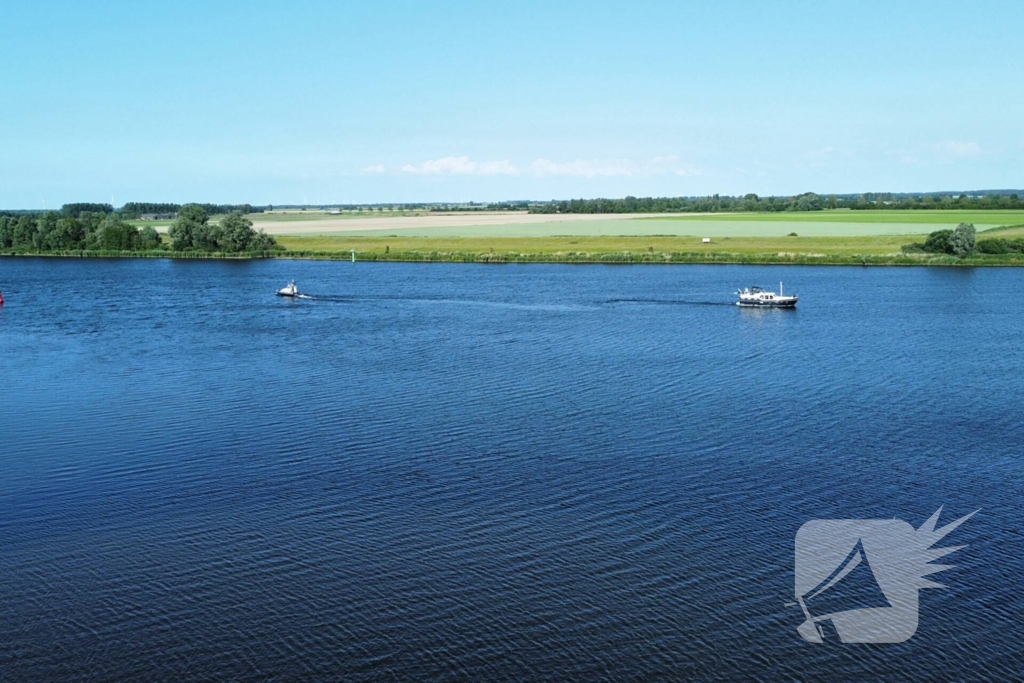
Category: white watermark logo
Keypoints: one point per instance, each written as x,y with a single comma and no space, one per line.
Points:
862,576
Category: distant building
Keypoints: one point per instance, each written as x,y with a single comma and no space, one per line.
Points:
158,216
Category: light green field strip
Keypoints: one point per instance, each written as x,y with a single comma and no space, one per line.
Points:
1012,231
909,217
300,216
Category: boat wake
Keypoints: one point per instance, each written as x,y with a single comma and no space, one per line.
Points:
443,300
352,299
668,302
341,299
333,298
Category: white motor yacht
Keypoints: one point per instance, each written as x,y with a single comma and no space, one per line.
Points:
290,290
755,297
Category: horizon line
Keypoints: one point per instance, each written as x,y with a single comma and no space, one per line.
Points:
925,193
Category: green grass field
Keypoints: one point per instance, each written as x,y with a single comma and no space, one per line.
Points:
838,250
877,244
824,237
756,249
763,225
646,227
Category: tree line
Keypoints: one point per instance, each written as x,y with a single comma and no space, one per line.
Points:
520,205
716,203
132,210
808,201
88,231
137,209
53,231
889,201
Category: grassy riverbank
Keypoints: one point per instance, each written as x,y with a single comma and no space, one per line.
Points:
834,250
622,257
847,250
598,244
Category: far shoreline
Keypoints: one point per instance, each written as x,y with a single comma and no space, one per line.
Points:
609,258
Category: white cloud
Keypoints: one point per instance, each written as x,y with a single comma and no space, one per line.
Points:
607,168
959,149
819,157
819,154
580,168
376,169
461,166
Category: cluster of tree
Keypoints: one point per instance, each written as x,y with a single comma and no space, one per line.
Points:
508,206
192,231
716,203
77,209
136,209
80,230
999,245
889,201
520,205
808,201
959,242
88,230
475,206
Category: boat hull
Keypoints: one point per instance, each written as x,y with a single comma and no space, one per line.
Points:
767,304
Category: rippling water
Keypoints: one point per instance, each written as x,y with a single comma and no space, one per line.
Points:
492,472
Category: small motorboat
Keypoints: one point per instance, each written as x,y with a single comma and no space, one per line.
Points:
755,297
290,290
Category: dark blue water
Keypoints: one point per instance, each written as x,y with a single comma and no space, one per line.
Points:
448,472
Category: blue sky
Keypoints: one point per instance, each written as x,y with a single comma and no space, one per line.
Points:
284,102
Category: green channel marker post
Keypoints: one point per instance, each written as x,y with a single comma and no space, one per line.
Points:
353,255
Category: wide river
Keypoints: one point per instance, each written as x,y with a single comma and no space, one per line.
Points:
472,472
